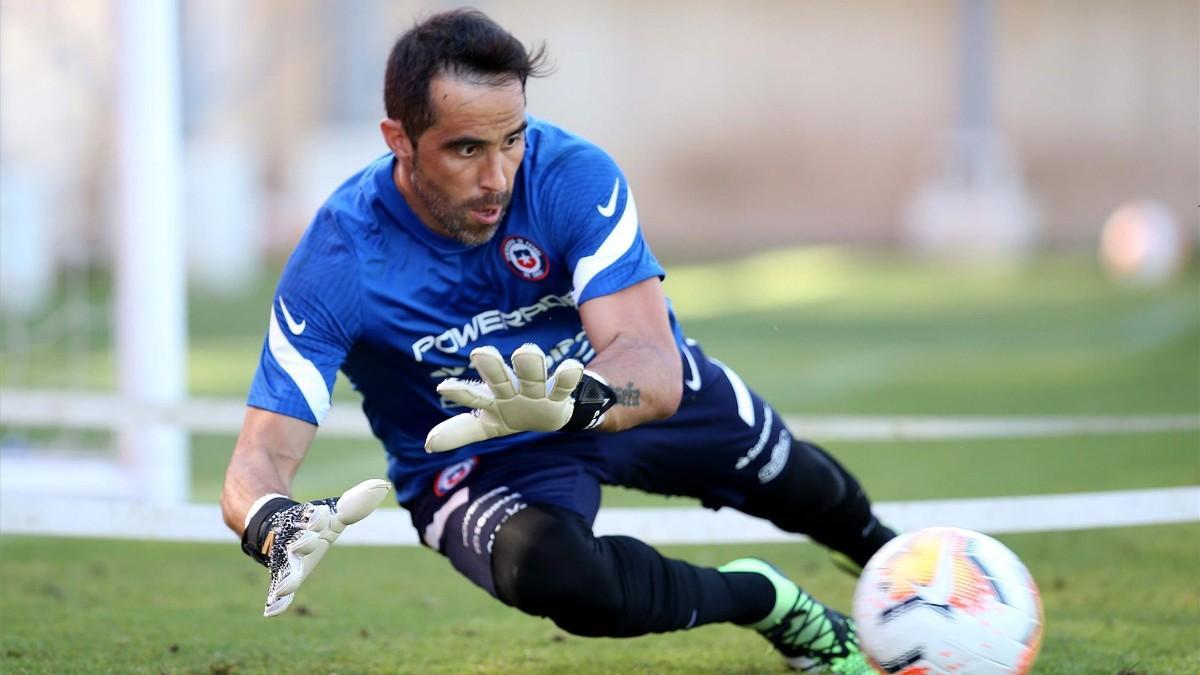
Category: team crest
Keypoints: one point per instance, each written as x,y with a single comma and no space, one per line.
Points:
449,477
525,258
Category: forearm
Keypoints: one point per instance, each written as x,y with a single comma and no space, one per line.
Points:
268,453
646,377
252,474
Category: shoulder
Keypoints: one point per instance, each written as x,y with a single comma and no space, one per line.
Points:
325,243
569,176
555,153
348,222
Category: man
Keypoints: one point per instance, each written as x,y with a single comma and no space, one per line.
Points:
486,233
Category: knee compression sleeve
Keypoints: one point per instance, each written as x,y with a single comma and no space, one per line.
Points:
547,562
815,495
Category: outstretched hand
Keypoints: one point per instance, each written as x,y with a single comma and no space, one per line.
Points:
298,537
524,397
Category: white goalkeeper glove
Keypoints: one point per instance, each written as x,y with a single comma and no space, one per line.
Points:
290,538
520,398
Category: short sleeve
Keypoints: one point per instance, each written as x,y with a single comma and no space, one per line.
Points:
587,199
314,320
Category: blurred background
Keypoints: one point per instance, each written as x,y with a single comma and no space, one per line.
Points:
953,241
744,126
158,161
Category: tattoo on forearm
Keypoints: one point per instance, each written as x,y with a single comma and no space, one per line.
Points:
628,396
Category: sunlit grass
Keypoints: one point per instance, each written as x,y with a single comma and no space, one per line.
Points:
1114,599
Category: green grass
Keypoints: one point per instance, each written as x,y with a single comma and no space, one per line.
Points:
819,332
138,607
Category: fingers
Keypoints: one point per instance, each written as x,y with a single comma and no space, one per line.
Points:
566,378
529,365
359,501
310,536
302,556
277,604
456,432
307,543
466,393
494,371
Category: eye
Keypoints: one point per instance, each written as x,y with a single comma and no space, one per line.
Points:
468,150
512,140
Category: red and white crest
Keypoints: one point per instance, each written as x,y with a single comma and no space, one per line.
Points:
449,477
525,258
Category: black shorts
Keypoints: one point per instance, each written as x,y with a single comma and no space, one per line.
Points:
722,446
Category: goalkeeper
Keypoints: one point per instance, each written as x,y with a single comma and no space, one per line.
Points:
486,287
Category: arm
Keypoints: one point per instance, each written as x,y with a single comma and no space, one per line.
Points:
315,318
635,352
269,450
289,537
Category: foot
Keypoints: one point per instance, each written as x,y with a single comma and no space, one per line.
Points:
812,637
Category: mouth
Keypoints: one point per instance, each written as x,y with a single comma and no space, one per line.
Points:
489,215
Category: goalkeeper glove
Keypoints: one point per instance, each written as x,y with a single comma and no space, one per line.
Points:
520,398
290,538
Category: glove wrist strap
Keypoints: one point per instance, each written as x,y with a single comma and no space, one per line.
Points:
258,504
259,526
593,397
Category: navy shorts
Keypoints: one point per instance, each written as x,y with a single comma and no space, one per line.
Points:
722,446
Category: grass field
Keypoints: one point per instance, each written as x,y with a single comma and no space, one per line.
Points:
1116,601
828,333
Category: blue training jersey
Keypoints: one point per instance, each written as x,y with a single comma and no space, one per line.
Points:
398,308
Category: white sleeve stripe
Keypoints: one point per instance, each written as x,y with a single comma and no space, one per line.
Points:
741,393
615,245
302,371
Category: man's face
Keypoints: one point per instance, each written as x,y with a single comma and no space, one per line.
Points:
462,168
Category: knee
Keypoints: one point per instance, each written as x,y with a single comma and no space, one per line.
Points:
546,562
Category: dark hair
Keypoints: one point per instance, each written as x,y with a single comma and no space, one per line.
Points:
462,42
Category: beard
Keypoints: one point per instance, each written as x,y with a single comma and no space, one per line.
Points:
455,219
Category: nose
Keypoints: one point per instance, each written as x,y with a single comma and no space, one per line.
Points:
492,178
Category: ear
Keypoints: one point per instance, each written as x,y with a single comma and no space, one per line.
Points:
396,139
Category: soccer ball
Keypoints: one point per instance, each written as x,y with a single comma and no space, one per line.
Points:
947,600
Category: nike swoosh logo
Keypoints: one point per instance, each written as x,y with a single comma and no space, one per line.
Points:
693,381
941,586
296,328
611,208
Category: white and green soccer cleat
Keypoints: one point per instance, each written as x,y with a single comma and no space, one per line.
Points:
809,635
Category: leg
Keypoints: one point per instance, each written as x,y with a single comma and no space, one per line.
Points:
728,447
547,563
814,495
519,526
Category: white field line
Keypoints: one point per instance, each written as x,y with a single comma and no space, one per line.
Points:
110,519
78,410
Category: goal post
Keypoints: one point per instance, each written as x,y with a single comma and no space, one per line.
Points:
150,330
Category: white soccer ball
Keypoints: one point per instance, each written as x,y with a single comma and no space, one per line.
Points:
947,600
